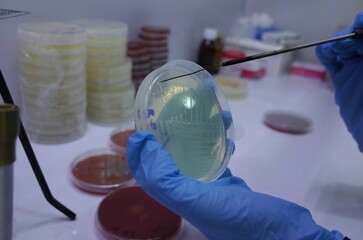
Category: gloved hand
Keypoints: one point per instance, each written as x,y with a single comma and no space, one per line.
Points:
344,62
223,209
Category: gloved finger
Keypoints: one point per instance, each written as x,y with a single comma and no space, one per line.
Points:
328,57
134,145
227,179
230,146
358,22
227,118
147,158
226,173
154,169
227,121
349,48
332,55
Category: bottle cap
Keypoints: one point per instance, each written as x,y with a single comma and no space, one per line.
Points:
210,33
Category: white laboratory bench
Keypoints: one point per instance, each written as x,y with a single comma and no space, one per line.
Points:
321,170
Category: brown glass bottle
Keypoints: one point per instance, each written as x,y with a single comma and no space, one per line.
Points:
210,50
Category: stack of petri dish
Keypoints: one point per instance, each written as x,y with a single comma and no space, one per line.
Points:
156,39
110,90
52,80
141,65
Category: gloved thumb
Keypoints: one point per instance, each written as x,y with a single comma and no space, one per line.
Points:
156,172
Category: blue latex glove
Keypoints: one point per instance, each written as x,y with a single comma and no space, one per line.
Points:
223,209
344,62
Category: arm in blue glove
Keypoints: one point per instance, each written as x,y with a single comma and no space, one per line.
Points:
223,209
344,62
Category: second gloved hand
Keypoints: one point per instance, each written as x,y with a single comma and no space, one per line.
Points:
344,61
223,209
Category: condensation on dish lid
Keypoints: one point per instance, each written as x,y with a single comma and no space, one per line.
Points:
287,122
188,116
129,213
100,171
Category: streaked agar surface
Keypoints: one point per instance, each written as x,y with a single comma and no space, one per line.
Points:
186,116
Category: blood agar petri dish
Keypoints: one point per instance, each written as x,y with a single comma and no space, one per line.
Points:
287,122
129,213
187,115
100,171
119,138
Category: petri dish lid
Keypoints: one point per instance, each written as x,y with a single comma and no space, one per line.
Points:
287,122
51,33
129,213
187,115
100,171
101,28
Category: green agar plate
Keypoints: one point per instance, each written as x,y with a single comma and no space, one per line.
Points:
188,116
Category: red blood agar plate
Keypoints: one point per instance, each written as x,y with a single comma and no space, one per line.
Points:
129,213
287,122
119,138
100,171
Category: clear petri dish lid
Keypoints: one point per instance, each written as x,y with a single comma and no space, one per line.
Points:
155,32
101,28
129,213
287,122
100,171
51,33
190,116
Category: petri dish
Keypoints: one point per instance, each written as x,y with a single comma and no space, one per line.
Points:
186,116
102,28
119,138
233,87
287,122
100,171
42,34
129,213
